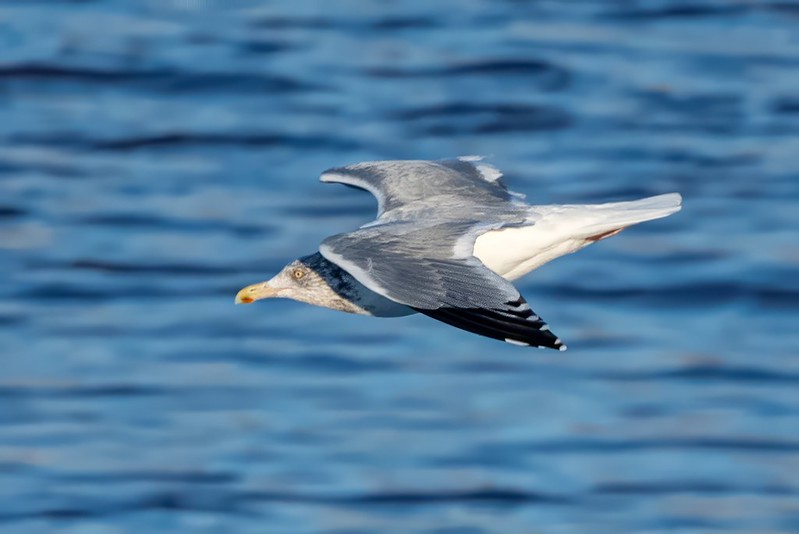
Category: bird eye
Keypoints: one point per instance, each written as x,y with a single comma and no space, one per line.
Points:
298,273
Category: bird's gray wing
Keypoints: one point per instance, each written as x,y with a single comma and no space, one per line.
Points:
431,269
410,189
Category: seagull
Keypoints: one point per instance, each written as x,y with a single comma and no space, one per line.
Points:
448,239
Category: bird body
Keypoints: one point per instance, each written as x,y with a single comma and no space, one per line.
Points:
448,239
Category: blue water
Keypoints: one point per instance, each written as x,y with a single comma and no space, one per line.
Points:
157,156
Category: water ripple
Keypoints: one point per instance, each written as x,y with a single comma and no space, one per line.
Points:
549,76
173,140
159,80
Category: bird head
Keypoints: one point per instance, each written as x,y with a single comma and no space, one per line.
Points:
294,281
310,279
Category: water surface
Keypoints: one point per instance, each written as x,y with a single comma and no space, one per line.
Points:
157,156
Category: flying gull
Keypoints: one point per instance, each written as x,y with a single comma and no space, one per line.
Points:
448,239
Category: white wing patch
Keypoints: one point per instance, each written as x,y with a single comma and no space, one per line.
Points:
488,172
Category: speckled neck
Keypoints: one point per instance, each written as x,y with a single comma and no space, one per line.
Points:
347,294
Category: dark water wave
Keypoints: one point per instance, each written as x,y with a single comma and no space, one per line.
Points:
547,76
138,221
698,10
687,10
92,293
786,104
381,24
173,269
170,477
177,140
74,391
689,296
460,109
54,169
160,80
753,445
705,487
241,502
9,319
464,118
709,373
12,212
151,268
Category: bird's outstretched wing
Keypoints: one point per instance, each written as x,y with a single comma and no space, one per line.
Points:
422,269
409,189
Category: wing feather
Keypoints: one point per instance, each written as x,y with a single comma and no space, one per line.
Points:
420,268
405,189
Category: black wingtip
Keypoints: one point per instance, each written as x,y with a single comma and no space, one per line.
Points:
503,326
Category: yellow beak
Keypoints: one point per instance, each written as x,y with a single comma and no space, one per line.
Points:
259,291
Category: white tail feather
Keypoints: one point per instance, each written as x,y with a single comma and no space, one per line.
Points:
561,229
594,219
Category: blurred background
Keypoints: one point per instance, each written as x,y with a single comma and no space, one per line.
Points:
156,156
